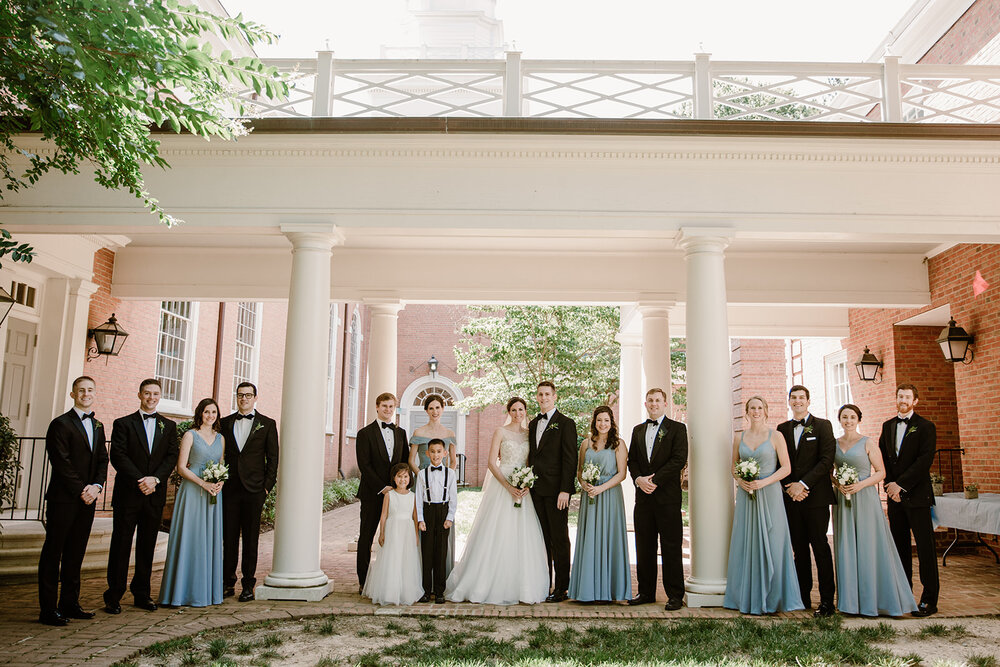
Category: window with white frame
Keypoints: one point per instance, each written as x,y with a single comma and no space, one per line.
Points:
838,384
247,355
354,374
175,353
331,366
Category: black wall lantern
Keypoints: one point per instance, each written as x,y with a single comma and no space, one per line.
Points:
955,342
432,365
108,339
868,367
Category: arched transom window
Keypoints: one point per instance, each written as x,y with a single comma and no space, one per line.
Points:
449,400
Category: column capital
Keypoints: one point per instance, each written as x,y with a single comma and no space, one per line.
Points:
382,306
82,288
702,239
657,308
313,236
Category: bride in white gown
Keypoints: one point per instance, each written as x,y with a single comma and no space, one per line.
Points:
504,561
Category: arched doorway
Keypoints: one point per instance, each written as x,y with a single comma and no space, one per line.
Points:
411,406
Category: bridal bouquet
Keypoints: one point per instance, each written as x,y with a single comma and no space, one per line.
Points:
845,474
590,474
523,478
747,470
215,471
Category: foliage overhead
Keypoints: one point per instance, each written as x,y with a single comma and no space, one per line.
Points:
507,350
92,77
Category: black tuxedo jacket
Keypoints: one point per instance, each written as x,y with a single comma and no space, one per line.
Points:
554,459
373,460
911,469
670,452
812,461
132,459
256,467
74,465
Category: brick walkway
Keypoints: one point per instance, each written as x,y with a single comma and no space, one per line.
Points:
970,585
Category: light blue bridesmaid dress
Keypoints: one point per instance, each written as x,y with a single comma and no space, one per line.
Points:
870,577
761,576
600,563
192,573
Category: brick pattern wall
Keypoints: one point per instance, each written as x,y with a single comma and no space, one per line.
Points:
976,27
758,366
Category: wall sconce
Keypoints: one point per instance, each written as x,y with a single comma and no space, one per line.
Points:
6,303
432,365
108,339
868,367
955,342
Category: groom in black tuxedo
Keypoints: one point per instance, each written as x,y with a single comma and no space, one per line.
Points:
75,443
252,457
379,446
552,454
908,442
143,452
656,457
808,496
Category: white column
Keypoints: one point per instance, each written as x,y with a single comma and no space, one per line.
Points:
656,348
630,396
709,420
382,352
296,573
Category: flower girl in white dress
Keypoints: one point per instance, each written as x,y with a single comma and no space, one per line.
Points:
395,576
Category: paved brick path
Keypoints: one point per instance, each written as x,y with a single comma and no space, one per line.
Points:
970,585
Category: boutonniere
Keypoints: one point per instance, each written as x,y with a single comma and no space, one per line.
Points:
913,429
97,424
808,429
256,427
160,425
660,435
554,426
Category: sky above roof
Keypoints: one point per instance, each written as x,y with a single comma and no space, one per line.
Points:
790,30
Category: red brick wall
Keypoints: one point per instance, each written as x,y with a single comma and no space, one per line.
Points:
977,26
758,366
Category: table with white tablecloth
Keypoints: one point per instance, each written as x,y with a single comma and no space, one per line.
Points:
979,515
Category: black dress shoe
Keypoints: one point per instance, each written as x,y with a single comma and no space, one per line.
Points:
53,618
557,596
824,609
924,609
146,604
439,599
674,605
424,599
228,592
113,608
247,595
641,599
76,612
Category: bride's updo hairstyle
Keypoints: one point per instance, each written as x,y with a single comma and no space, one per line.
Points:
612,432
429,401
514,401
746,408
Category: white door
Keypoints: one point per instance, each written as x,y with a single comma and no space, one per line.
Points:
19,354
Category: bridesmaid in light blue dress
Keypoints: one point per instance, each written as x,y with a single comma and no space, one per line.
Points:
870,577
761,576
601,569
192,572
434,407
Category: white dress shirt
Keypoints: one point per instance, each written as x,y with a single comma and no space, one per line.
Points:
543,423
149,425
88,426
438,492
241,430
901,428
797,438
651,431
388,436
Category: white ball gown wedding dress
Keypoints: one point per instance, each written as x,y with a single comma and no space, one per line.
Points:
504,561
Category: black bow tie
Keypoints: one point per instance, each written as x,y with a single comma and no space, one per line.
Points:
542,415
799,422
386,425
652,421
86,415
902,420
241,416
144,416
437,467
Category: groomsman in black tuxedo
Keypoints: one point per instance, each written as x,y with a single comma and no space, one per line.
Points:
143,452
552,453
808,496
75,443
656,457
252,457
908,442
379,447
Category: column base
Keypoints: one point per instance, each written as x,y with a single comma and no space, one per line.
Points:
704,600
308,594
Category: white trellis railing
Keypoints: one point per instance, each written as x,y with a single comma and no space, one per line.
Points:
702,88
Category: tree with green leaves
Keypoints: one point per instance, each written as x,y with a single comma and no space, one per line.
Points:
507,350
93,78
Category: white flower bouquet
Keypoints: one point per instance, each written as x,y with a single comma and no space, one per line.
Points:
845,475
590,474
522,478
748,470
215,471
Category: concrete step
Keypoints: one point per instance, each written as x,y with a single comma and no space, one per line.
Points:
21,545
